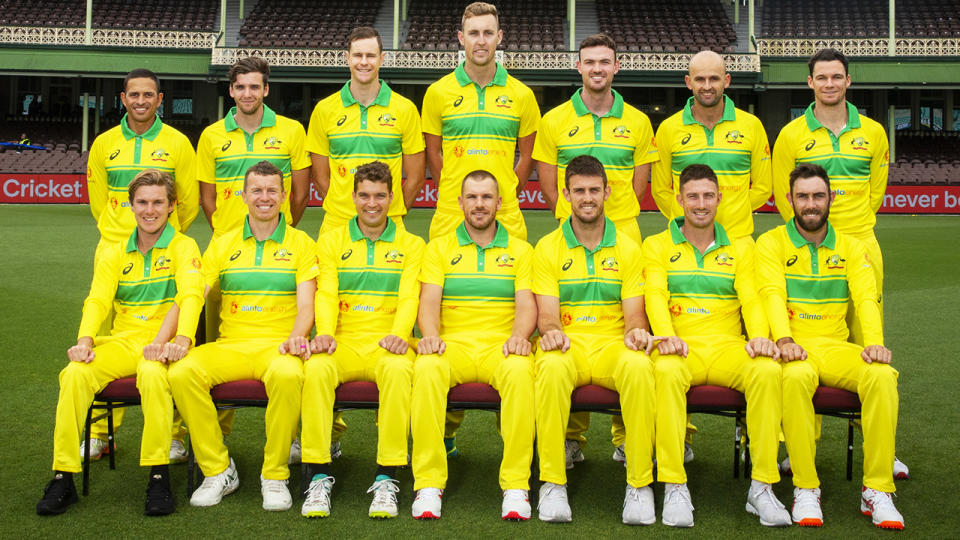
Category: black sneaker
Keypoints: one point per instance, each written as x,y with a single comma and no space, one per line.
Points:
57,496
160,500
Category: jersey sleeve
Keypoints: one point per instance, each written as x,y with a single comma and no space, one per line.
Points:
862,284
632,283
772,284
188,191
661,177
408,295
431,271
189,279
103,289
879,169
646,149
306,257
523,280
751,309
412,136
327,299
432,110
211,263
545,145
782,164
299,158
530,115
761,181
544,279
656,292
97,186
317,141
205,164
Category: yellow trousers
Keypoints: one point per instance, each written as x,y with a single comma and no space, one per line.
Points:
721,361
466,361
603,361
116,357
876,262
358,360
446,222
232,360
838,364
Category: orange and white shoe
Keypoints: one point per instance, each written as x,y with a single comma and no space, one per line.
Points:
806,507
516,505
879,506
427,504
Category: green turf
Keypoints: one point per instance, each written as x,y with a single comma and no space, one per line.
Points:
46,268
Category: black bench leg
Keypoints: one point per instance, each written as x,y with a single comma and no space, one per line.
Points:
86,451
736,447
849,450
110,447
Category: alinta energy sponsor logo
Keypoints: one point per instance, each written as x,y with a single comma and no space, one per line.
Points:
159,155
254,308
734,137
282,254
676,310
566,319
459,150
195,262
836,262
621,132
272,143
504,102
163,263
387,120
653,142
724,259
342,171
344,306
505,261
859,143
393,257
610,264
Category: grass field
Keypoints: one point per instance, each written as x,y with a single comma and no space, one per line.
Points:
45,274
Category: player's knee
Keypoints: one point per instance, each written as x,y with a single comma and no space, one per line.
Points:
395,365
517,369
320,367
74,373
431,367
151,374
764,371
799,375
182,373
284,371
669,370
879,376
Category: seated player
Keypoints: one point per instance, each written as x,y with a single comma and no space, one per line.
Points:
366,305
153,283
808,272
589,286
476,316
699,282
266,271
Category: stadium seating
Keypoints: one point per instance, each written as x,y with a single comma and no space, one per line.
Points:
657,25
528,25
313,24
927,158
187,15
858,19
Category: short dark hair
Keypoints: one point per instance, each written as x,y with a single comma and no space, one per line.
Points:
141,73
809,170
375,171
698,171
263,168
479,174
584,165
364,32
250,64
153,177
598,40
828,55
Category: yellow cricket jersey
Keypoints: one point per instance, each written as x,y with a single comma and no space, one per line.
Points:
351,135
622,139
806,288
118,155
479,127
141,288
737,151
368,288
258,279
591,285
225,152
856,162
479,283
689,293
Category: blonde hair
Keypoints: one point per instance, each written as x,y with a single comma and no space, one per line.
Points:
153,177
477,9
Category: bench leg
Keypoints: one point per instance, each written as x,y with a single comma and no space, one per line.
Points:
850,449
86,451
736,447
110,408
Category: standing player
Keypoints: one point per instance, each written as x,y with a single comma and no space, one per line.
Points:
809,274
366,305
266,270
153,283
589,286
364,121
476,316
477,117
699,282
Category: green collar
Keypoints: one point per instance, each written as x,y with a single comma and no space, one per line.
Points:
500,239
382,99
149,135
609,235
853,117
720,237
829,241
277,235
729,111
581,109
165,237
388,235
269,118
499,79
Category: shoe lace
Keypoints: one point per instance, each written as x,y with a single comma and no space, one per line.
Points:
515,495
384,491
274,487
319,490
880,499
677,494
807,496
765,495
429,492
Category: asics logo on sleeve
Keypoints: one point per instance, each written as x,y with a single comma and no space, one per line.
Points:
675,257
791,260
225,146
114,154
342,120
346,254
810,144
235,255
573,131
566,265
127,268
685,139
456,259
458,101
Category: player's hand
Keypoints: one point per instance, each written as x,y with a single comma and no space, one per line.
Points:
517,345
394,344
176,349
324,344
790,351
876,354
296,346
672,345
638,339
82,351
153,352
431,345
761,346
554,340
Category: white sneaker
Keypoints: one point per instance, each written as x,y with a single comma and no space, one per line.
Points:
178,452
384,504
900,469
762,502
276,496
316,502
638,508
296,451
427,504
620,455
334,449
677,506
98,449
554,506
215,487
806,507
516,505
687,452
573,452
879,506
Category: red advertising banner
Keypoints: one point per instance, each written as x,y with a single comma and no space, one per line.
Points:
43,188
911,200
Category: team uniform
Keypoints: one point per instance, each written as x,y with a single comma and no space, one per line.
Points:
701,297
351,135
622,139
806,290
736,149
591,286
477,312
140,289
479,127
258,280
857,163
366,290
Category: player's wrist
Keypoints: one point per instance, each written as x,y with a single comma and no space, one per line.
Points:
784,341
